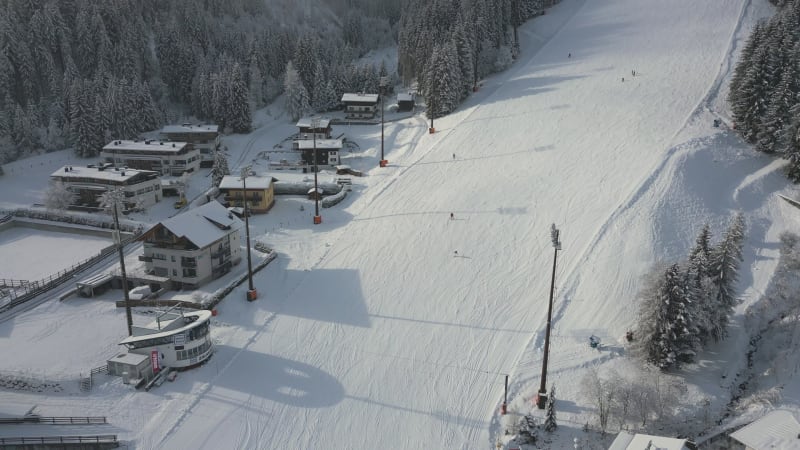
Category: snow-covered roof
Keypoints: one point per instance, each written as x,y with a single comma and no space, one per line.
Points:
305,122
131,359
203,225
189,128
628,441
147,145
778,430
168,324
366,98
235,182
294,176
327,144
404,97
109,173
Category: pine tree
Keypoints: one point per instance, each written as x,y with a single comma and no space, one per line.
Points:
777,115
240,119
527,430
443,81
698,283
220,167
256,84
724,274
660,312
296,94
550,424
790,144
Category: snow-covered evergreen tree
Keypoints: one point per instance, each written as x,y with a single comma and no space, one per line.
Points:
528,432
698,284
724,273
220,167
296,95
238,106
550,424
443,84
790,144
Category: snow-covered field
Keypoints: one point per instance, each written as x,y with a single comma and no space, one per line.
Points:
35,254
390,325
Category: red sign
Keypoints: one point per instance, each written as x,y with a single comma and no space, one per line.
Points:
154,360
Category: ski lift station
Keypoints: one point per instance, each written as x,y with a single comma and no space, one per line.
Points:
175,340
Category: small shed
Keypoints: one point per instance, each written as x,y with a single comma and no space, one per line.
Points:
95,285
405,102
131,365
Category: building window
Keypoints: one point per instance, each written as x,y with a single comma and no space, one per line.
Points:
189,273
174,272
173,258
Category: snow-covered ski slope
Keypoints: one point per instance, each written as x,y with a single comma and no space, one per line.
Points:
378,335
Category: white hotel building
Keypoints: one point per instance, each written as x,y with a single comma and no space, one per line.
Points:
142,187
166,158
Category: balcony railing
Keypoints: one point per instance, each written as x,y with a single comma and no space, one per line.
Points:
145,258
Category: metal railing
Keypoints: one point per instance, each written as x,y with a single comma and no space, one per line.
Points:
32,289
97,420
98,439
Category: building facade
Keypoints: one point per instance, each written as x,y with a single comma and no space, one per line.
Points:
328,151
193,247
142,187
260,194
360,106
405,102
309,126
205,138
173,340
166,158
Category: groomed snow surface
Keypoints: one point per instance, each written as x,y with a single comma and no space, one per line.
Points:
392,326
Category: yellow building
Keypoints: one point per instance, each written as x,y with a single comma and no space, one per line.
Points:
260,194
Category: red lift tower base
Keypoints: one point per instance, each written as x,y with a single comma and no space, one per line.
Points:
384,163
317,220
252,295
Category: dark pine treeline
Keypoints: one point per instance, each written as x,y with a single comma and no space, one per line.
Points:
765,88
447,45
80,73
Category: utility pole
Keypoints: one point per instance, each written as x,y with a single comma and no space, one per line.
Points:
317,217
118,241
252,293
431,130
541,397
516,19
384,82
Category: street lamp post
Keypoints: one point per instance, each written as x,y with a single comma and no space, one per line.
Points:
118,239
541,397
384,82
317,217
252,293
431,130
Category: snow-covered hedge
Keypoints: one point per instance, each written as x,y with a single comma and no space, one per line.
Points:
302,187
99,221
334,199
